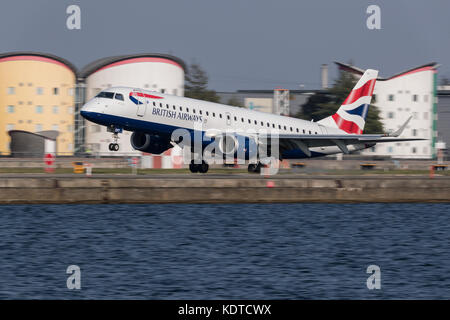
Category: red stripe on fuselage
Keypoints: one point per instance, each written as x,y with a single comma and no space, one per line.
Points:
365,90
144,95
347,126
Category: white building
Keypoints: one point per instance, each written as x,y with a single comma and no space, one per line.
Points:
410,93
157,72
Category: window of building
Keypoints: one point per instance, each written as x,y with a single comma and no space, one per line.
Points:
39,91
95,128
70,91
425,98
391,97
55,91
38,127
414,132
39,109
415,115
70,110
425,115
11,90
414,97
390,115
10,109
55,127
55,109
9,127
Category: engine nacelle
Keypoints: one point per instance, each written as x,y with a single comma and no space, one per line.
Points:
146,142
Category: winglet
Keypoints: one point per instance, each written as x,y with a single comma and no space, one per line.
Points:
400,130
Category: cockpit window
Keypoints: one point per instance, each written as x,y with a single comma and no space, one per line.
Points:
118,96
104,94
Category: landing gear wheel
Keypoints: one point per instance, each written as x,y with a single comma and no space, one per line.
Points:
113,147
203,168
254,168
193,167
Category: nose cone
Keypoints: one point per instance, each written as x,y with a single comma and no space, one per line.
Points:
88,110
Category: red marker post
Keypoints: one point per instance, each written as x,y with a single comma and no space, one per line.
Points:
49,160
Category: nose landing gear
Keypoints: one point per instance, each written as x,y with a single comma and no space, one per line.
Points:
114,146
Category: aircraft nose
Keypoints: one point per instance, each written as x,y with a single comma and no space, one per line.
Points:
88,109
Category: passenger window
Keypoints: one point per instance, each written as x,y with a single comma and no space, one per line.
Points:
268,125
200,111
249,121
160,105
279,127
187,109
284,127
297,130
154,103
291,129
220,115
207,113
273,125
214,114
119,96
242,119
174,108
256,122
193,110
235,118
309,131
167,106
181,108
228,117
304,131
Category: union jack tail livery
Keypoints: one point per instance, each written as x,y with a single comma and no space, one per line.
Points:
351,116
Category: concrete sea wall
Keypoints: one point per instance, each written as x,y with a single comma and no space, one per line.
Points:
224,190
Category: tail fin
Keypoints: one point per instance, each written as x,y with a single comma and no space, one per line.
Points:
351,116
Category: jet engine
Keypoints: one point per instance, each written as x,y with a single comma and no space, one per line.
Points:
146,142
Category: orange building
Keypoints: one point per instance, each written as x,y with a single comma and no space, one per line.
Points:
37,93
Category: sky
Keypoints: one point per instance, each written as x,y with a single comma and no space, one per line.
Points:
241,44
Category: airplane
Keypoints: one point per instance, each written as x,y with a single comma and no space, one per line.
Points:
154,117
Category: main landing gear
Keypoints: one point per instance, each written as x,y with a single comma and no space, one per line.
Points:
255,168
198,167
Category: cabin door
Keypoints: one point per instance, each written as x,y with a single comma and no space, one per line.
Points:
141,104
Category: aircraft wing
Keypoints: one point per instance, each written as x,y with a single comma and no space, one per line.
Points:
304,142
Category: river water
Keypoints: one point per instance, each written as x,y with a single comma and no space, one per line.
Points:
229,251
